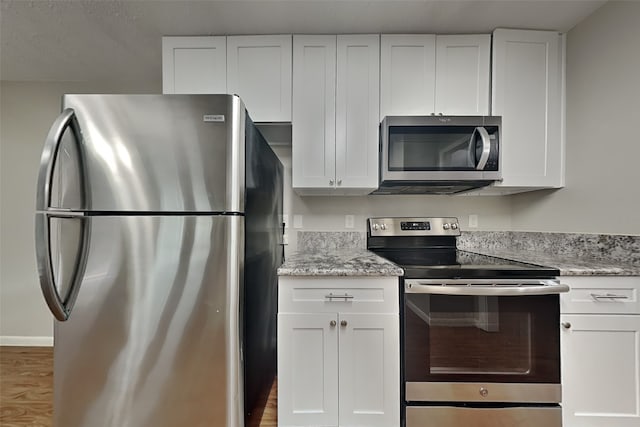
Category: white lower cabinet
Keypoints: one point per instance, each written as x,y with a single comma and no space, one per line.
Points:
339,365
308,369
600,344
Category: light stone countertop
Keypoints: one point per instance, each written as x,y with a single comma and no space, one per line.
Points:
343,253
343,262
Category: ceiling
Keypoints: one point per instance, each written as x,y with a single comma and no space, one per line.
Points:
120,41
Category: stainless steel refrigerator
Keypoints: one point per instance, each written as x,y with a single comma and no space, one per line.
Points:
158,236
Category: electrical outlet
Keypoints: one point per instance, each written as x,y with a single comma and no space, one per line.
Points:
297,221
348,221
473,221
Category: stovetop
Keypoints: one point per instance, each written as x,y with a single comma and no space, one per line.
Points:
426,248
456,263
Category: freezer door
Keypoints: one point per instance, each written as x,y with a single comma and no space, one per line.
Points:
154,337
147,153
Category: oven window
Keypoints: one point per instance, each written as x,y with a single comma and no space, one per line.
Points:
481,338
431,148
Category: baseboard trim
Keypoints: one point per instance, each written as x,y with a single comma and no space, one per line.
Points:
12,341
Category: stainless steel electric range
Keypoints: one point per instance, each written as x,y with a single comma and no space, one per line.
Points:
480,336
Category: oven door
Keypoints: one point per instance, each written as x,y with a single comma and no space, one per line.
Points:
486,341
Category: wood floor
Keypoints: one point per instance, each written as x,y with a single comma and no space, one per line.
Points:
26,389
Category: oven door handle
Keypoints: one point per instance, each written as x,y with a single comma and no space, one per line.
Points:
485,287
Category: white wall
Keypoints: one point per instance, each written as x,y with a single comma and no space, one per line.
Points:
602,193
26,112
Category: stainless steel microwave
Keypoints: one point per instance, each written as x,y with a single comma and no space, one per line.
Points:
438,154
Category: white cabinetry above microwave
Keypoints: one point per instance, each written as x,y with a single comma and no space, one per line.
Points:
425,74
258,68
335,114
528,92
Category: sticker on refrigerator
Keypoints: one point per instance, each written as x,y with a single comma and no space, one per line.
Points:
213,118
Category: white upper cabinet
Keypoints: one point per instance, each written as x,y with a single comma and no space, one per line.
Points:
193,65
357,109
528,92
313,125
462,75
335,114
407,74
259,70
428,74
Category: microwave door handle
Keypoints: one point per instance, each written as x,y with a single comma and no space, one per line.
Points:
486,146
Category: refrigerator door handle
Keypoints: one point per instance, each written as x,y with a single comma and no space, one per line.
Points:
67,119
60,307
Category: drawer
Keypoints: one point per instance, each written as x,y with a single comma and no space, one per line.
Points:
601,295
313,294
455,416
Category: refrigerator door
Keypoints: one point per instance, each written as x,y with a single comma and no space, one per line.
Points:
154,337
146,153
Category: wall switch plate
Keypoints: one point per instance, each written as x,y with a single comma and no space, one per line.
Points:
473,221
348,221
297,221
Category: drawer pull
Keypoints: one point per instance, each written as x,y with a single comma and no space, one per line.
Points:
345,297
599,297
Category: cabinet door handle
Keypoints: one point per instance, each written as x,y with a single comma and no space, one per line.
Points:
332,323
345,297
599,297
343,323
566,325
339,182
330,182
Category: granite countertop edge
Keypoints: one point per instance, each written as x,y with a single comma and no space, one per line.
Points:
568,265
356,262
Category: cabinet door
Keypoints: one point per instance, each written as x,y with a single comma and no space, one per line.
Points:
601,370
369,370
462,74
357,111
259,70
307,369
407,74
314,115
194,65
527,93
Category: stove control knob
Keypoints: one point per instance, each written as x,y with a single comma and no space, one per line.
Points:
454,226
446,226
376,227
383,226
